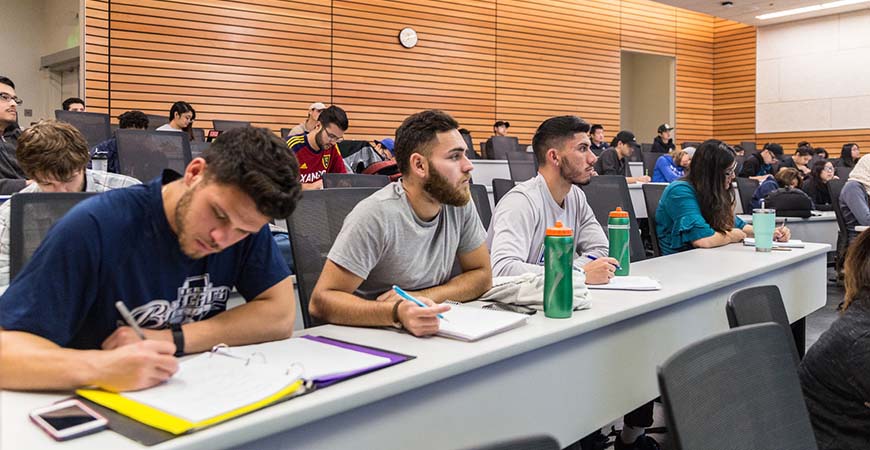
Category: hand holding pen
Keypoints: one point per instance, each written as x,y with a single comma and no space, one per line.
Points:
600,270
419,315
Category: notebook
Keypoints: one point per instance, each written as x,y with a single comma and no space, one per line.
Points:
469,323
231,381
629,283
792,243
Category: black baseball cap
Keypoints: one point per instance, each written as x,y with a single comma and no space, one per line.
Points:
774,148
626,137
500,123
665,127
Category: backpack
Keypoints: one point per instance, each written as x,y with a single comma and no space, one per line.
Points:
789,202
389,168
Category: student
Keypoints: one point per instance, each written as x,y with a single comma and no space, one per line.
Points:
499,128
310,122
663,143
800,160
759,166
317,151
698,212
849,155
820,152
73,104
197,236
816,185
787,177
136,120
785,197
11,176
409,234
673,166
598,144
834,371
854,200
181,116
54,155
614,160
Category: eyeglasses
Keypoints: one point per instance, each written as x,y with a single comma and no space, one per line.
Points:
4,97
332,137
828,169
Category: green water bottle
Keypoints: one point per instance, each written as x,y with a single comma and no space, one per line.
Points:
618,232
558,276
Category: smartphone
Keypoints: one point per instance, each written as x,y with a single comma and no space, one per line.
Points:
68,419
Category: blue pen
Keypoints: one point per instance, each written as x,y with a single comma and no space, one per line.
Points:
408,297
595,258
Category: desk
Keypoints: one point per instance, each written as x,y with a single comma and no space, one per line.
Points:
487,169
820,228
565,377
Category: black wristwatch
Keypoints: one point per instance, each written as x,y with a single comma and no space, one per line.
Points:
178,339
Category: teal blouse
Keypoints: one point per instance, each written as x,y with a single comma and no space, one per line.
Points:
679,221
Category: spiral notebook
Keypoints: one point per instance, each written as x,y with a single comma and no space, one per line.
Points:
231,381
469,323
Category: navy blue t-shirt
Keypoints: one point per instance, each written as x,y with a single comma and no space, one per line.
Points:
118,246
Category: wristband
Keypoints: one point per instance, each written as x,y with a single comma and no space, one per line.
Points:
178,339
396,322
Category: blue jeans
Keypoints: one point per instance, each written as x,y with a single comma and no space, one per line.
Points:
283,242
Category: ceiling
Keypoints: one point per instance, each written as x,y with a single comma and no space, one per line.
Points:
745,10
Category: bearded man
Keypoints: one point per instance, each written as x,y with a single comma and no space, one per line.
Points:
317,150
171,250
409,234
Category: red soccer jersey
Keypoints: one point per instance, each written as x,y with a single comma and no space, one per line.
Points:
312,164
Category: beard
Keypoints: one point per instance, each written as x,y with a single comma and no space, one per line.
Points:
440,189
184,240
319,140
570,175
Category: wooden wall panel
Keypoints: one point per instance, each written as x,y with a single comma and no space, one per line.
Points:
96,55
734,81
831,140
694,76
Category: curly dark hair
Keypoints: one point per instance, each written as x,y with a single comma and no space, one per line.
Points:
707,175
417,133
133,119
260,164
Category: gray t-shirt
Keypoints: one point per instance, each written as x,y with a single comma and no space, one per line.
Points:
519,224
385,243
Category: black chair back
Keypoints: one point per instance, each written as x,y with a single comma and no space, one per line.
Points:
31,216
469,147
749,148
499,146
652,194
354,180
523,166
481,201
760,304
843,172
711,388
285,132
313,228
198,134
645,148
196,148
835,187
156,121
690,144
649,162
224,125
144,154
528,443
500,187
746,188
603,194
93,126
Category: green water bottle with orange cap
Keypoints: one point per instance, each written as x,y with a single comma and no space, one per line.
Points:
618,233
558,278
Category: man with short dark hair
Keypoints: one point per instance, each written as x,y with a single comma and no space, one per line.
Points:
409,234
664,142
596,135
74,104
11,176
317,151
172,250
614,160
759,166
800,160
136,120
310,122
499,128
54,155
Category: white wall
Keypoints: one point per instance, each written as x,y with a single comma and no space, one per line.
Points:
647,94
31,29
814,74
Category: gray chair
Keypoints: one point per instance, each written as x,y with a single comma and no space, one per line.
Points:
481,201
652,194
224,125
469,147
354,180
690,144
285,132
843,172
746,188
762,304
31,216
155,121
500,187
749,147
196,148
313,229
523,166
145,154
93,126
737,390
646,148
198,135
649,162
527,443
835,187
497,147
603,194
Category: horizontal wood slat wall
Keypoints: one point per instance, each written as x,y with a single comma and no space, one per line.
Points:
734,81
265,60
830,140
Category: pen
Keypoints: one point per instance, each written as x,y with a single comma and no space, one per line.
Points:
408,297
594,258
125,313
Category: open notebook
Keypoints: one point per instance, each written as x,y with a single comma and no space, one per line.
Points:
629,283
469,323
216,386
792,243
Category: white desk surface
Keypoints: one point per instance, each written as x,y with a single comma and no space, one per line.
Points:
821,228
560,377
861,228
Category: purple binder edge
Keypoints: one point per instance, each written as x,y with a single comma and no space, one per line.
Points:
394,358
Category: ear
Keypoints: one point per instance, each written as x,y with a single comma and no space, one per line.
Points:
195,171
419,165
553,156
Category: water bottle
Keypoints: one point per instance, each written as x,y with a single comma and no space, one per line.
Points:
558,276
99,161
618,232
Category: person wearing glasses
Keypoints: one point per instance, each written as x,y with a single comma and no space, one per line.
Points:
816,185
12,178
181,116
698,212
317,150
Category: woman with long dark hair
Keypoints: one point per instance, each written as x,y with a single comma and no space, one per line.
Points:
698,211
849,155
816,185
834,372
